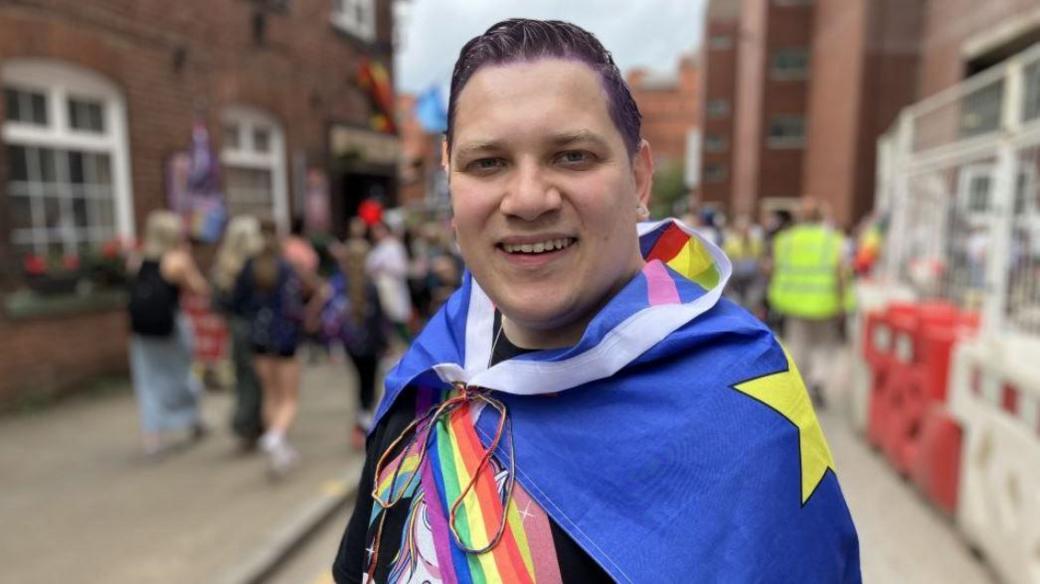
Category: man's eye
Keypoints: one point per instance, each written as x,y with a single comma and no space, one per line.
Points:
485,165
575,158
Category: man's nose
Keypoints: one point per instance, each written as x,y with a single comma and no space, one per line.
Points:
530,194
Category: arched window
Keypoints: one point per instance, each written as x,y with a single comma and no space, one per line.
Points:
68,179
253,157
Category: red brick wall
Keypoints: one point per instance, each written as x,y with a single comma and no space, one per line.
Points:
668,113
838,62
720,82
303,75
751,63
780,171
43,356
864,72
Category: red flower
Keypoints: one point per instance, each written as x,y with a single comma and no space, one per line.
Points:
34,265
110,250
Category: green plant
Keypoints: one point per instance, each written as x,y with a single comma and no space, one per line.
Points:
669,189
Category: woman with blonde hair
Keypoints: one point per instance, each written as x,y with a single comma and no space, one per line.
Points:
161,338
242,241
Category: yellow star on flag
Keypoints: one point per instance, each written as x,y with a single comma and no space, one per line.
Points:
785,392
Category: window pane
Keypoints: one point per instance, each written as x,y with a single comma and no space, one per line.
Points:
48,168
21,212
28,107
86,115
249,191
261,140
99,168
79,212
11,105
106,216
39,108
52,212
17,169
76,167
231,141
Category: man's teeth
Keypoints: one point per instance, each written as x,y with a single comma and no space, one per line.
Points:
540,247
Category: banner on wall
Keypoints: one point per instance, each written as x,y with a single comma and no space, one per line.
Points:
193,188
317,208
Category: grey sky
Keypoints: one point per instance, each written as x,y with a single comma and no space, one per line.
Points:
650,33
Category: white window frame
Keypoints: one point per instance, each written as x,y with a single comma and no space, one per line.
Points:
344,16
59,81
245,155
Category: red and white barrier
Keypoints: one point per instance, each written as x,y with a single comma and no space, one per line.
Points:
995,397
868,343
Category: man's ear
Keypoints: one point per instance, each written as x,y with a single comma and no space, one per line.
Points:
446,165
445,161
643,172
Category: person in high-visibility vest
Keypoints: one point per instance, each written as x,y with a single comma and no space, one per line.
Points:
808,288
744,246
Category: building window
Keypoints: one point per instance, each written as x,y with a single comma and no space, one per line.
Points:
253,157
787,132
715,143
357,17
790,64
715,173
720,42
68,175
718,108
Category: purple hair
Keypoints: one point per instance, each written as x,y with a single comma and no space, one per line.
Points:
520,39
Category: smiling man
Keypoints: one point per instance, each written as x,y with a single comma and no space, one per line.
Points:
585,408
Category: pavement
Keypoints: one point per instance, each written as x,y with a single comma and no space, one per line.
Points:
81,503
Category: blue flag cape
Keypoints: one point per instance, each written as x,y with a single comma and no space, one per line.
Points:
656,442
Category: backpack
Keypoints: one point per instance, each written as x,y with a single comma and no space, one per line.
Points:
153,303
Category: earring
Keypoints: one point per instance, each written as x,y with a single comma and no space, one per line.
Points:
642,211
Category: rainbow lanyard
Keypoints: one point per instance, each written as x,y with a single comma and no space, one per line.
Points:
464,491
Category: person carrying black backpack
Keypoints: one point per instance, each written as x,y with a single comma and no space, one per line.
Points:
161,339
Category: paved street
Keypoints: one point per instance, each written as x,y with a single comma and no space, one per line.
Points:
81,503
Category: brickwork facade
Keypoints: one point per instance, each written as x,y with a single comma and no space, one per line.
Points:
865,57
719,88
174,62
669,105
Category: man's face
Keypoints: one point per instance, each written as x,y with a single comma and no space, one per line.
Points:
545,196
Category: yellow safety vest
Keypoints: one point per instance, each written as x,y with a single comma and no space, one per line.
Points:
738,248
805,272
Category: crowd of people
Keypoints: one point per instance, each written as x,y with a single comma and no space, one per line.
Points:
363,297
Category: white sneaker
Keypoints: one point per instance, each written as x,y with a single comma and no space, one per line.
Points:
282,459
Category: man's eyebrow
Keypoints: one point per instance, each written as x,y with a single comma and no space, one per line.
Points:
568,138
478,147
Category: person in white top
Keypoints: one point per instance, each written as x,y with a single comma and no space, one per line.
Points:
387,265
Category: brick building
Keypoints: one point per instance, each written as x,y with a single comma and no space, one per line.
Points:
99,96
772,90
719,88
864,71
669,103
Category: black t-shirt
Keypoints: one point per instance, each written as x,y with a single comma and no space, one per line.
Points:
576,566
